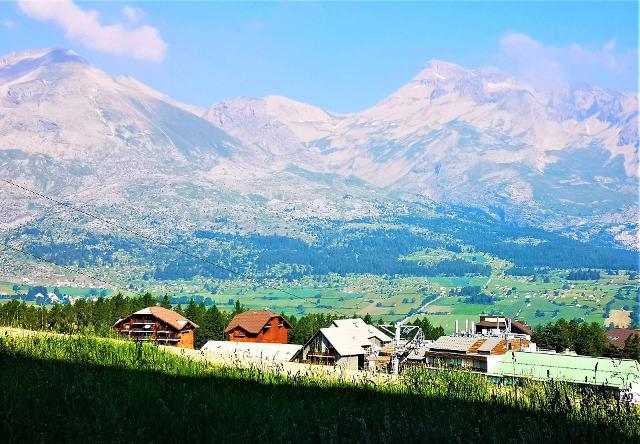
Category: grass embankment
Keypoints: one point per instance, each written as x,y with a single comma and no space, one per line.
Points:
82,389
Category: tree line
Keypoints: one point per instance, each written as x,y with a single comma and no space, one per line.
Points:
583,338
98,317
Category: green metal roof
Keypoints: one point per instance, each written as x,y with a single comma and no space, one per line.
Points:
620,373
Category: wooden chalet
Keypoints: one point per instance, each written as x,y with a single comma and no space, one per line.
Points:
259,326
160,325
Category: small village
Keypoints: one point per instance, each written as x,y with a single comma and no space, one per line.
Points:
498,347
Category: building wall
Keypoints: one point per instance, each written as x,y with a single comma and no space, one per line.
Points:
276,333
377,344
127,327
318,351
187,339
347,362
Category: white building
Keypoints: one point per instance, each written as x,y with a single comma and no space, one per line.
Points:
255,350
346,344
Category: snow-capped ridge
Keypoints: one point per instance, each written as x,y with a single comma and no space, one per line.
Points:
39,57
477,137
440,70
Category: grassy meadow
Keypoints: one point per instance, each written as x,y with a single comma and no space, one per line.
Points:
80,389
391,297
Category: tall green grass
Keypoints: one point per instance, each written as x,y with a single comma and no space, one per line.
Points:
81,389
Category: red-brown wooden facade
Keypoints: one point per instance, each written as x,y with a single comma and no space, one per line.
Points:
259,326
159,325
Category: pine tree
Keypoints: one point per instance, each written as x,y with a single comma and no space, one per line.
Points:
191,312
632,347
165,302
213,324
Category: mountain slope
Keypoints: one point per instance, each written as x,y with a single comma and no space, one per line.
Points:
476,138
472,137
69,129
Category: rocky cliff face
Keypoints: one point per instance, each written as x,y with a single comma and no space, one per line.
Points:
479,138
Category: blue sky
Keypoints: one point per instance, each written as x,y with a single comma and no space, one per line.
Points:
339,56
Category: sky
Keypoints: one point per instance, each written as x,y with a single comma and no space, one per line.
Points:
342,57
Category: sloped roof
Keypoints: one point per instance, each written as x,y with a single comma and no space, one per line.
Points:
489,344
361,328
252,321
453,343
170,317
343,340
265,351
611,372
618,336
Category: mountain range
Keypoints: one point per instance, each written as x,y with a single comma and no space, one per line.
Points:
565,161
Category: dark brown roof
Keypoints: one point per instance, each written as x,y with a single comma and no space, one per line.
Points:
618,336
514,323
253,321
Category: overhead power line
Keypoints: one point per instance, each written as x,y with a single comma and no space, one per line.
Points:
40,258
155,241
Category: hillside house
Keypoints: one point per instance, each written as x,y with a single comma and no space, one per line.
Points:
259,326
347,343
498,324
476,353
618,336
333,346
160,325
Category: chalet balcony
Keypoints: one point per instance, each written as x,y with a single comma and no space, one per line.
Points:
320,355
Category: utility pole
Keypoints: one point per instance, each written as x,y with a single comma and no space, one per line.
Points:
402,348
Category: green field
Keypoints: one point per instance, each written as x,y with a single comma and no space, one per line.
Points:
82,389
535,301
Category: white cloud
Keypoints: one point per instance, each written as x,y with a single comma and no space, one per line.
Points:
551,67
84,26
8,24
133,14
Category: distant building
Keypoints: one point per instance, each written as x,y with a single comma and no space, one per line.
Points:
159,325
476,353
347,343
257,350
622,375
493,324
259,326
618,336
